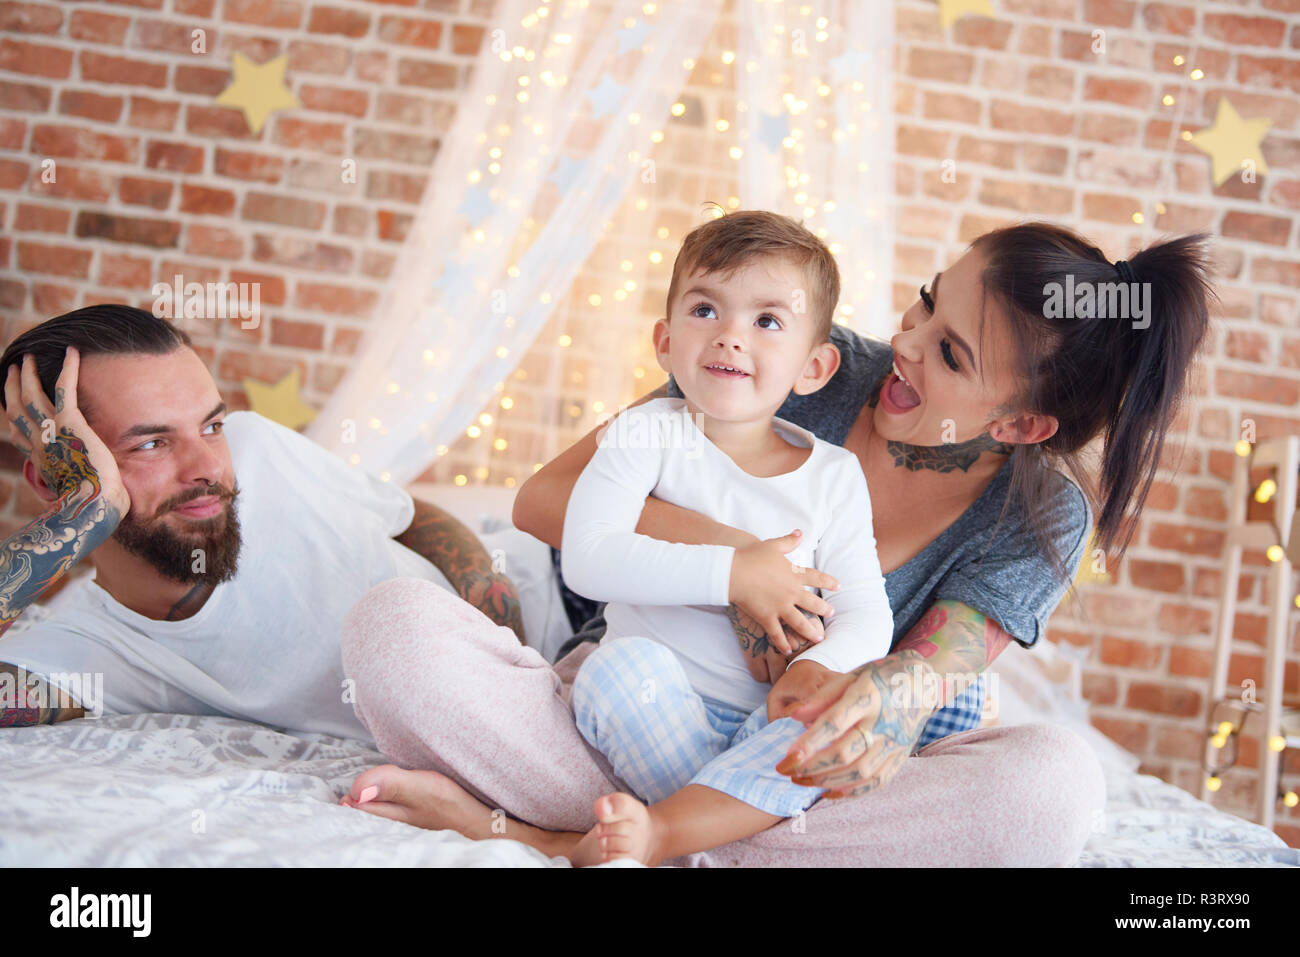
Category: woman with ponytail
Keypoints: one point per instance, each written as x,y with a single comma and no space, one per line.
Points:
969,425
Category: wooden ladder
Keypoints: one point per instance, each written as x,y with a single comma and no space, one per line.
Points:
1269,720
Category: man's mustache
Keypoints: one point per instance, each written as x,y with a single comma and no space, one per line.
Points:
220,491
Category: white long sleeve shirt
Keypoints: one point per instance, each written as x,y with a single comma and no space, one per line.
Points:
677,594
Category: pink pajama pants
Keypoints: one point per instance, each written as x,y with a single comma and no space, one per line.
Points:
441,687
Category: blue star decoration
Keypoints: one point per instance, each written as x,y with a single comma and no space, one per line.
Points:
566,172
476,206
605,97
772,129
632,38
452,273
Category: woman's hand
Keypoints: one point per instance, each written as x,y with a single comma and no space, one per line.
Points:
861,726
764,662
71,458
772,591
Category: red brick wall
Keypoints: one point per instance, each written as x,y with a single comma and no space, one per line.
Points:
154,179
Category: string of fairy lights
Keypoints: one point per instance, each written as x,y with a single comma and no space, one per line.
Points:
1223,734
790,131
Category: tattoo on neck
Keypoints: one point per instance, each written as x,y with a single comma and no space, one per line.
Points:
940,458
188,598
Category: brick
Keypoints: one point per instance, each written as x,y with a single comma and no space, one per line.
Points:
93,106
25,96
345,341
1276,271
944,105
216,121
1237,30
101,68
168,36
389,184
1273,390
42,219
971,149
271,289
54,260
306,134
128,272
1099,688
302,253
984,32
435,76
1278,73
1187,539
173,157
310,57
332,99
1157,576
280,14
1051,82
339,300
91,26
13,132
1118,168
935,63
1127,733
127,229
1075,45
76,183
408,31
922,141
299,335
203,80
78,143
393,146
374,66
1110,207
1285,192
1039,198
30,18
157,115
49,299
348,23
351,220
1109,13
467,40
1108,128
1022,118
39,59
215,241
1118,90
285,210
1169,18
376,264
250,166
1248,345
1179,619
138,191
1274,230
1038,158
205,201
1129,653
237,365
194,8
1163,698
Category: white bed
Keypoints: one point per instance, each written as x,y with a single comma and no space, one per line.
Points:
176,790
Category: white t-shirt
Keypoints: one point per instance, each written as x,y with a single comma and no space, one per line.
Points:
677,594
317,533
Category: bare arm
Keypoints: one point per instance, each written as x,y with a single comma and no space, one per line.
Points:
456,552
543,499
27,699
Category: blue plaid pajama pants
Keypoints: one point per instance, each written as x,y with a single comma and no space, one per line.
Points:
633,703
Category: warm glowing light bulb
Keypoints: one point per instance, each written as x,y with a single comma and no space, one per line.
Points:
1225,727
1267,489
1218,740
1213,783
1275,553
460,480
1290,799
1242,448
1277,742
473,431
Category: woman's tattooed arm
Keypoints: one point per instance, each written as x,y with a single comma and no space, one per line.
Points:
456,552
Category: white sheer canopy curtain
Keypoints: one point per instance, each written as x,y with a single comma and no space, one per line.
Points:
586,144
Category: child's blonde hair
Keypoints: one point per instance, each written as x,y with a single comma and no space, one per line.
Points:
732,240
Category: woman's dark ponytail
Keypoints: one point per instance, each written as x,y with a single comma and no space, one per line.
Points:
1121,376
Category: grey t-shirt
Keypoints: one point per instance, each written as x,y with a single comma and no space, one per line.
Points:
1001,574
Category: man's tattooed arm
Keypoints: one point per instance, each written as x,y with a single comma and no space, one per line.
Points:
456,552
27,699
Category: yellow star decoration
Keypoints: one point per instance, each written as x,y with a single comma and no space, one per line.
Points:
1231,141
280,402
258,90
950,11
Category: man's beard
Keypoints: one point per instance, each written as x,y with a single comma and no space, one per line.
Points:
208,555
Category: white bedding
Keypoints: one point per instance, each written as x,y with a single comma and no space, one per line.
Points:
176,790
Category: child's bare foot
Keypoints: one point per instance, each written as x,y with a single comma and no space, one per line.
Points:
625,829
423,798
